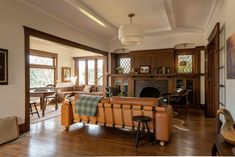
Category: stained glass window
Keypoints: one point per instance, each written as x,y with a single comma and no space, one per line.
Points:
125,63
185,64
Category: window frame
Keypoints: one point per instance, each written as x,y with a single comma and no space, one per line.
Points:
185,52
40,53
86,59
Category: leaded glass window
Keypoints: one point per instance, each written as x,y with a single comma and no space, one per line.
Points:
125,63
185,63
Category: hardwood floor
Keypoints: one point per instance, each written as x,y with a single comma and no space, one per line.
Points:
49,139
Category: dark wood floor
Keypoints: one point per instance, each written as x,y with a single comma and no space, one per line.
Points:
48,139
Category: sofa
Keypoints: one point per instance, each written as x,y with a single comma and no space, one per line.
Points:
64,92
118,112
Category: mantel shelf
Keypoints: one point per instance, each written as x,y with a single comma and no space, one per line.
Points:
157,75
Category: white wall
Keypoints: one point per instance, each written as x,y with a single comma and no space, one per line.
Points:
13,15
225,15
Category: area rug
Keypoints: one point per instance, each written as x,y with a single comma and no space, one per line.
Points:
179,124
49,113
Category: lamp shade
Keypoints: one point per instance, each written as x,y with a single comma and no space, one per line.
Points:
130,34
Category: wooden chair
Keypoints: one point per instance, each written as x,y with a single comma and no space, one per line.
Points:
53,96
180,100
31,105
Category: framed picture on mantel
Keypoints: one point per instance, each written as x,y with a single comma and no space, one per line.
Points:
3,66
144,69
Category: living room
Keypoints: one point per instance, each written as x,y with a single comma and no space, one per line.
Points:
172,31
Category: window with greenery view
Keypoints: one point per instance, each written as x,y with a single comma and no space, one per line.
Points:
82,68
100,72
90,71
42,69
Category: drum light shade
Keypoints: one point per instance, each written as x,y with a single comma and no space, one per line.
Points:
130,34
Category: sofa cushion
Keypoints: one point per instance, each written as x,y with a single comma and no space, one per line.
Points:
87,89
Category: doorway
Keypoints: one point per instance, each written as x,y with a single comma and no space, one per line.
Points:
29,32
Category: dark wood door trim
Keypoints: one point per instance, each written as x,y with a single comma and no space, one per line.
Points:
25,127
212,74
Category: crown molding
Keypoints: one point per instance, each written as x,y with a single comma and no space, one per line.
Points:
170,13
211,14
79,5
28,4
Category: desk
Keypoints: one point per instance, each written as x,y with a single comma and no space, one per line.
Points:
223,148
42,95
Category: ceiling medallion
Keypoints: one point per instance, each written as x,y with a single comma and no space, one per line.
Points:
130,34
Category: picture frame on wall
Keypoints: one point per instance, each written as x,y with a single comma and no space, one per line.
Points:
231,57
66,74
144,69
3,66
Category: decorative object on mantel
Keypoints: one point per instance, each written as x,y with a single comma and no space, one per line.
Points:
227,129
168,71
144,69
163,70
119,70
159,70
231,57
130,34
3,66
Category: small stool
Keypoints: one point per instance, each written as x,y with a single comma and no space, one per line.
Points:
144,120
35,107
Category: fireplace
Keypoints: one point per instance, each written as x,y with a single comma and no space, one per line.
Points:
150,88
149,92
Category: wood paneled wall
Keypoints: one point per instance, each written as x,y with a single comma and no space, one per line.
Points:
161,58
154,58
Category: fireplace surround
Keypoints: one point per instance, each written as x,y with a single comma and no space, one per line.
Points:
150,88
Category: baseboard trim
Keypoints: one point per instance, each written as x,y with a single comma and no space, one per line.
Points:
22,129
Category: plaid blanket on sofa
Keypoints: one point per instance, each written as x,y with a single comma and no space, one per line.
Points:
87,105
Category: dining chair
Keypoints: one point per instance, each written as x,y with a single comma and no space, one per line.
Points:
53,96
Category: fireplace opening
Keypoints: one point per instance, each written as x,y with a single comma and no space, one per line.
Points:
149,92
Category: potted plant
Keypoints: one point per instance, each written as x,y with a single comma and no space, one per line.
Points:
119,70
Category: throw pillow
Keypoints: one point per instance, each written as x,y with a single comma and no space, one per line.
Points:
87,89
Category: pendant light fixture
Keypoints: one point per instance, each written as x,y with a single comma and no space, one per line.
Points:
130,34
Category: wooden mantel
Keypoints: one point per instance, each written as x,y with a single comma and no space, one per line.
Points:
158,75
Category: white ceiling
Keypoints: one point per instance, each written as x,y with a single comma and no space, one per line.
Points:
155,16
